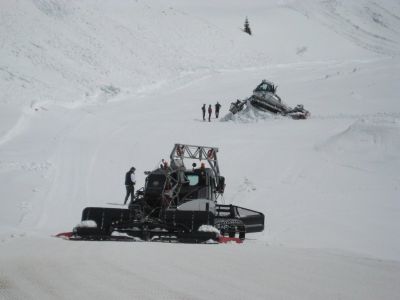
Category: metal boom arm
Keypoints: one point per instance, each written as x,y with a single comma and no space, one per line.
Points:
209,154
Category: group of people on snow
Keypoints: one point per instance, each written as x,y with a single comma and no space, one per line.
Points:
210,110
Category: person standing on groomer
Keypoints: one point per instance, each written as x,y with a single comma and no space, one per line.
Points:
130,181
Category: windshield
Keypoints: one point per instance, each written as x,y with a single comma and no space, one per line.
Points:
265,87
193,179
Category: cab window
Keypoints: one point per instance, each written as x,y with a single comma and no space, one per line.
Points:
193,179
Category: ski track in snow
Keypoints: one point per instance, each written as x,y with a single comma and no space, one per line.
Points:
371,26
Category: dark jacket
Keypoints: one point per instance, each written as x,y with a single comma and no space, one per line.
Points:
128,179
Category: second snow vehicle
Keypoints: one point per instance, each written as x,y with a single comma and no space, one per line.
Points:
265,98
176,203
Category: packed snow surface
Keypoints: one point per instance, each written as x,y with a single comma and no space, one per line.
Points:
91,88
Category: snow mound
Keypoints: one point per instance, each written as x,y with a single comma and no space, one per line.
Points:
366,141
249,114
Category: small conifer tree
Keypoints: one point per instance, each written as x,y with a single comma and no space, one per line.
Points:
247,27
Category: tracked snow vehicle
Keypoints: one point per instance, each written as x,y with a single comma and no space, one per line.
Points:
176,203
265,98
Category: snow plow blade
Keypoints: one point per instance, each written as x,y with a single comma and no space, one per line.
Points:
103,219
253,220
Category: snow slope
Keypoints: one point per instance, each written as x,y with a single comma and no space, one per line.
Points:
153,271
90,88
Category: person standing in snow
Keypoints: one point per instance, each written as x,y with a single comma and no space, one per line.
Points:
209,113
203,108
130,181
217,107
